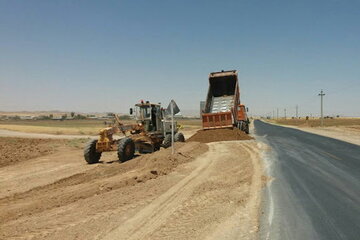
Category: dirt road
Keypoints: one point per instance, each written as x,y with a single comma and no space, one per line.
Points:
205,191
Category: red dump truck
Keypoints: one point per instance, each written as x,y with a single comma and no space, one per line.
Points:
222,106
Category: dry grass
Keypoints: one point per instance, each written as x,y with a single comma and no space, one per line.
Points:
348,122
190,124
68,127
75,127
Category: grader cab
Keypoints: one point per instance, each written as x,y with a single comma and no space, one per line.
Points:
151,131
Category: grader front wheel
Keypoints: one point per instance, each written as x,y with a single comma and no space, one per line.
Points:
90,154
126,149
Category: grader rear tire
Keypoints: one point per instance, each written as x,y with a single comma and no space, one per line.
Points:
179,137
167,141
90,154
126,149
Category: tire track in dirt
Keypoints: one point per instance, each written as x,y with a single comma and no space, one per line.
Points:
194,194
153,215
40,171
87,204
244,223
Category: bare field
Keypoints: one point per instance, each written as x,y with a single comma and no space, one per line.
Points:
74,127
190,123
68,127
18,150
203,191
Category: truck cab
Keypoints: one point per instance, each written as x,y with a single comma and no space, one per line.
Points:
242,118
149,115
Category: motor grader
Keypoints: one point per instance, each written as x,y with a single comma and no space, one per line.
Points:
151,131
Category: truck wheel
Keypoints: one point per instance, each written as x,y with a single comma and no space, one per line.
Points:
247,128
126,149
167,141
90,154
240,125
179,137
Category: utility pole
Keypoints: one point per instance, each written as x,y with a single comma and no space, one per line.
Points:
297,113
284,113
277,113
322,94
273,114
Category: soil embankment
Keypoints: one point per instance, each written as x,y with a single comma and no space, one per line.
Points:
202,191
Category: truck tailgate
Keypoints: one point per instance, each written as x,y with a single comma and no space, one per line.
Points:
217,120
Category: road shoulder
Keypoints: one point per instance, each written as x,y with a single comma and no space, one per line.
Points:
340,133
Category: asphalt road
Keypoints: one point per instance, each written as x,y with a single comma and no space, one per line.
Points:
315,190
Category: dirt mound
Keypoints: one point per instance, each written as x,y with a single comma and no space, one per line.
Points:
216,135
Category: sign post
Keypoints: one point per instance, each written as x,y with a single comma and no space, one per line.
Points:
172,109
172,128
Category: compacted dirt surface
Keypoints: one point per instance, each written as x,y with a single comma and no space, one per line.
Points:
203,191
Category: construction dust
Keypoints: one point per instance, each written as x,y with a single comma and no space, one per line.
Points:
217,135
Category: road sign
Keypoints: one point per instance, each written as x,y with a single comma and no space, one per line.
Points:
172,109
176,109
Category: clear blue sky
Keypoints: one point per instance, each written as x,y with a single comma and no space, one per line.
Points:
106,55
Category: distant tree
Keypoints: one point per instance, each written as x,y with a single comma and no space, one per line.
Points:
79,116
63,117
44,117
51,116
72,114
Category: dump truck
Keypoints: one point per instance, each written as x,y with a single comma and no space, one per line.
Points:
222,106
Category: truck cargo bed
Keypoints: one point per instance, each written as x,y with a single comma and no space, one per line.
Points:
222,100
222,104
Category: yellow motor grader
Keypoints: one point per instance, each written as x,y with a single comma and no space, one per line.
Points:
151,131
